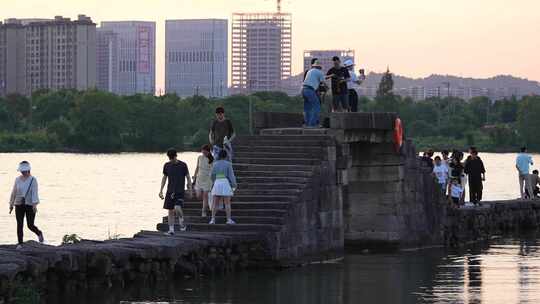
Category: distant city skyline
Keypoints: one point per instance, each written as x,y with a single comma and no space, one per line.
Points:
479,39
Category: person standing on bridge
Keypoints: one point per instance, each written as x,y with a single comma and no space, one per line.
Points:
474,168
312,102
221,134
523,163
24,199
224,186
354,79
340,93
175,173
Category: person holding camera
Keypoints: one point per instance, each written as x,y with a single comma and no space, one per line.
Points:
175,173
24,199
353,96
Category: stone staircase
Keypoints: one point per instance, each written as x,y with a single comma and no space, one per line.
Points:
278,177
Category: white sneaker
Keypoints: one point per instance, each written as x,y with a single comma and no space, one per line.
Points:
19,247
212,221
169,233
230,222
468,205
183,227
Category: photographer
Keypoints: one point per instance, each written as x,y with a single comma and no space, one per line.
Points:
353,96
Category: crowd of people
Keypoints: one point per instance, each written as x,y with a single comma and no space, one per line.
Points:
214,183
453,174
314,89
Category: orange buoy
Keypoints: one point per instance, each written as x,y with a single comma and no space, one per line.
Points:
398,134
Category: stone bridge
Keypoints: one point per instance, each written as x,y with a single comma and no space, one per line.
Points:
304,195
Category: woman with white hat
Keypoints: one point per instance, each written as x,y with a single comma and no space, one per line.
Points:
24,198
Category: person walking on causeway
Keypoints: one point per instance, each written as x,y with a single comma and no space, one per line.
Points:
24,199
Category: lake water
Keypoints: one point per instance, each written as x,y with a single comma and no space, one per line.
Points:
96,196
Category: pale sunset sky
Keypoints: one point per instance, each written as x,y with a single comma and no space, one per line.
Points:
476,38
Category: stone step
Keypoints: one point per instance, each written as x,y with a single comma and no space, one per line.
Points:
294,131
272,168
278,161
245,205
221,227
264,185
295,155
254,198
239,219
242,212
267,191
291,137
296,176
283,142
277,149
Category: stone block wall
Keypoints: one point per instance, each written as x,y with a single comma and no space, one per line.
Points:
390,199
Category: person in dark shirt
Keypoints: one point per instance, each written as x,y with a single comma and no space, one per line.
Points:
474,168
175,172
427,158
340,93
221,134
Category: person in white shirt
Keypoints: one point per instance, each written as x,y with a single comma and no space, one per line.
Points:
353,96
456,193
24,199
441,173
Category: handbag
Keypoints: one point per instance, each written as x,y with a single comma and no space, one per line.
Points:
23,200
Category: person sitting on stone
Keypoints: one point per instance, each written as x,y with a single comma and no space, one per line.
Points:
531,185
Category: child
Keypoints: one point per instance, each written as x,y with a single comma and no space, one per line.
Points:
456,192
441,172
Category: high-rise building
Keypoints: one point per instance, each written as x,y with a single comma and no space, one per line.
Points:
261,51
131,65
196,57
325,57
107,60
47,54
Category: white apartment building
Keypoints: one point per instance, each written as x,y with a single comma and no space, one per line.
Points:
128,64
196,57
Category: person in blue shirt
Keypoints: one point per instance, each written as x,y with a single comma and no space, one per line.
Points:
523,162
312,103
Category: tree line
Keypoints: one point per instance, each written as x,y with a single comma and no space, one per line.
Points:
95,121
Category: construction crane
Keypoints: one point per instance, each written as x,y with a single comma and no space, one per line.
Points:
278,6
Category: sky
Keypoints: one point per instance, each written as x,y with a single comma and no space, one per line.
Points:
469,38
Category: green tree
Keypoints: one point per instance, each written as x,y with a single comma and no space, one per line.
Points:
386,85
99,120
528,122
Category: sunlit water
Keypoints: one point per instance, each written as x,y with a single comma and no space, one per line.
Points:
96,196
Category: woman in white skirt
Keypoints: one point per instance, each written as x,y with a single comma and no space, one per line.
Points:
203,179
224,186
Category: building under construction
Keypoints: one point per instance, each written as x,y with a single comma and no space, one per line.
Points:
261,51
